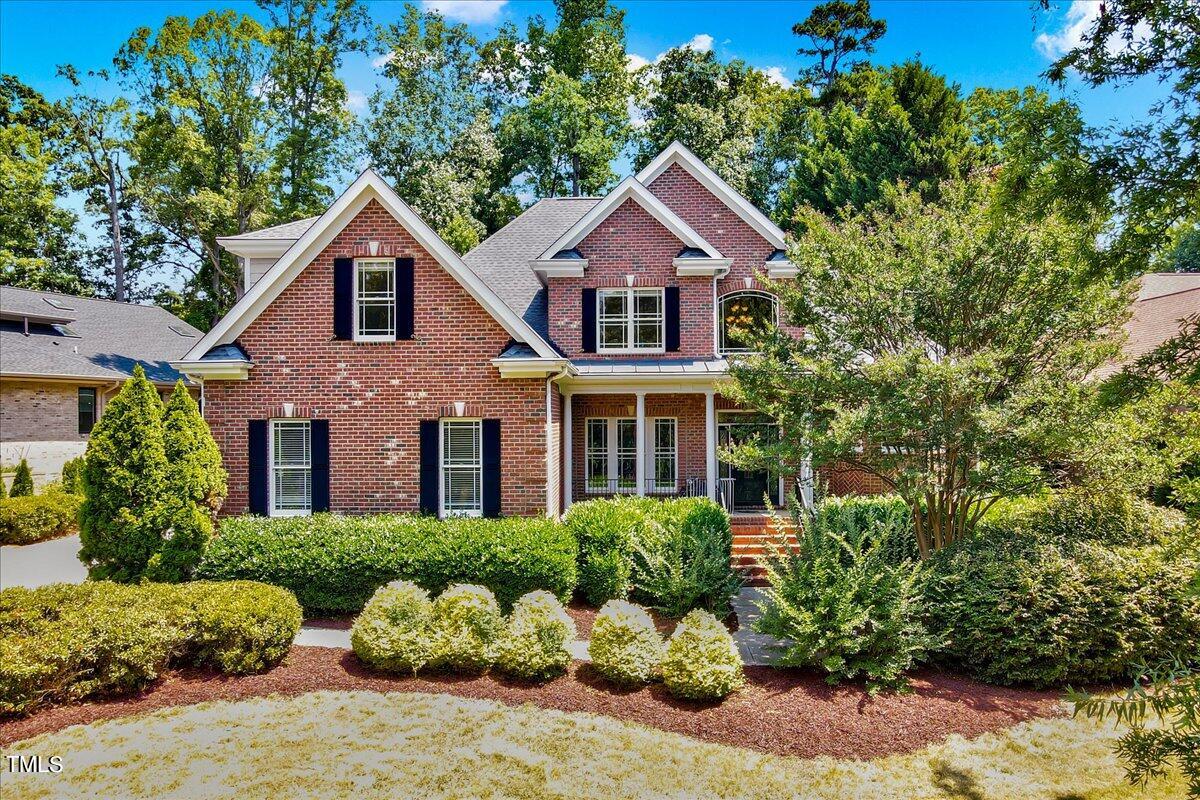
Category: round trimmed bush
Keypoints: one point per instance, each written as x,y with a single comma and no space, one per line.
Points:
702,661
534,646
393,631
240,626
466,626
625,647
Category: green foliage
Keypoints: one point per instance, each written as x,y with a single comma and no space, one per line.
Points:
882,513
685,567
124,477
841,605
22,483
534,645
393,632
335,563
836,30
65,642
1044,595
465,628
625,646
25,520
72,483
702,661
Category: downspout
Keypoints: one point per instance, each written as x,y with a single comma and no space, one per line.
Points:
200,381
551,510
715,319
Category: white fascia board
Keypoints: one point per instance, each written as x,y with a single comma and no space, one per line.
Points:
529,367
558,267
701,267
629,189
628,383
368,186
231,370
256,248
777,270
676,153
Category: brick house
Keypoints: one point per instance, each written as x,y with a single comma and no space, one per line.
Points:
573,354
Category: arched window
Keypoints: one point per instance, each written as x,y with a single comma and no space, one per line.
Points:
743,315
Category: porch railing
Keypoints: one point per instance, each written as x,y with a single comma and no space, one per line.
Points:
610,487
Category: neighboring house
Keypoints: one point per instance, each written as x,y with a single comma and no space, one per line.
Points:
1164,300
573,354
62,357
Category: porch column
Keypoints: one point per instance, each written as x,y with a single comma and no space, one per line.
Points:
641,443
710,443
568,477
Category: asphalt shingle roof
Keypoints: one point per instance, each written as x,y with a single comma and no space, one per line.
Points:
288,230
103,339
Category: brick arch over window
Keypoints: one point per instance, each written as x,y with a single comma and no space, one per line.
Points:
744,307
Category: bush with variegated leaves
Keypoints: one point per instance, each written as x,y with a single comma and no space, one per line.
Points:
534,646
465,629
702,661
625,647
393,631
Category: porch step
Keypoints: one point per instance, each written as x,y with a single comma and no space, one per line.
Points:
754,537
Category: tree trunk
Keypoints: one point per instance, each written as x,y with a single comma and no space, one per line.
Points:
118,247
574,175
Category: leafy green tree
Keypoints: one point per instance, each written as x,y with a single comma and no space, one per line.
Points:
1184,255
837,30
947,351
192,491
22,485
124,477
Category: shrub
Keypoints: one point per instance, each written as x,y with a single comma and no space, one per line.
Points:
625,646
124,475
841,606
393,631
22,485
702,661
534,645
685,567
70,476
465,627
334,563
896,542
605,530
24,520
64,642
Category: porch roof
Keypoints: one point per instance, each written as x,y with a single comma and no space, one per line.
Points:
650,366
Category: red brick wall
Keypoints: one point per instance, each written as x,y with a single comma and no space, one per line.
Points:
376,394
841,479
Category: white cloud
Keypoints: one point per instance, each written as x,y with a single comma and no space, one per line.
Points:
636,62
471,12
701,43
379,61
356,101
1080,19
775,75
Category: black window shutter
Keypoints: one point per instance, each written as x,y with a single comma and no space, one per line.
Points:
343,298
671,297
429,466
491,467
589,321
257,458
319,430
405,287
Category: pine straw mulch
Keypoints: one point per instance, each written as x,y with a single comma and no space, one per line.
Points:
786,712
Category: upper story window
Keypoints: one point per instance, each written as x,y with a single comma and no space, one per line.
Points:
375,300
630,320
87,409
743,315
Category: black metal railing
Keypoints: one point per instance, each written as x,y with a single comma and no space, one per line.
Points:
653,487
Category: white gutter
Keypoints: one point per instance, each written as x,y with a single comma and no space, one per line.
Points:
551,507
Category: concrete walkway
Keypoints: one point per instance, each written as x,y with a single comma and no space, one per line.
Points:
33,565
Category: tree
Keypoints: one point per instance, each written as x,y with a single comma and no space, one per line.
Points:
947,351
22,485
192,491
1153,164
308,40
124,475
837,30
1184,255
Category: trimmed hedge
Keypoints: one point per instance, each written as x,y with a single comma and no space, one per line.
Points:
392,632
534,645
625,646
335,563
35,518
702,662
464,629
65,642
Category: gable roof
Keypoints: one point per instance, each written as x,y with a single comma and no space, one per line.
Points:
88,338
676,153
368,186
1156,284
287,231
629,189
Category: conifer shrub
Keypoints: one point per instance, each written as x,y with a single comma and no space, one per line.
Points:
534,644
25,520
625,646
465,629
702,661
70,475
22,485
394,630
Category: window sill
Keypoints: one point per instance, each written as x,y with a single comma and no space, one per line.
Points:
291,513
375,339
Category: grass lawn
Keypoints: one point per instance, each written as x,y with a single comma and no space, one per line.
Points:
365,744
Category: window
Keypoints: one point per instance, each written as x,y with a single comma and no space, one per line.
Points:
610,455
596,454
663,454
291,467
87,410
629,320
743,315
462,468
375,306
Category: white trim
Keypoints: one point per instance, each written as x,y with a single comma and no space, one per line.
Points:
676,153
289,512
374,262
529,367
780,270
629,189
368,186
230,370
701,267
631,322
568,470
255,248
443,512
558,267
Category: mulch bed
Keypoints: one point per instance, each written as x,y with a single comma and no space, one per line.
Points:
788,712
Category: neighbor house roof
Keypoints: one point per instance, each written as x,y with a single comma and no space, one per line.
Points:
52,335
1156,284
1164,300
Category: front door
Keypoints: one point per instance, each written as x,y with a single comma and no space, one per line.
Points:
742,489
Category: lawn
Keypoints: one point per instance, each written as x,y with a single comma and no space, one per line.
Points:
367,744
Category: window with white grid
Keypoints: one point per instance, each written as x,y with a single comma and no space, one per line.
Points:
291,467
664,472
375,306
596,454
629,320
462,467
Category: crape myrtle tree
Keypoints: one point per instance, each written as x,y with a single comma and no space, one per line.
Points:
947,349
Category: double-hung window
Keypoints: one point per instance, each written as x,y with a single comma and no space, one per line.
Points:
375,300
663,452
87,409
462,468
629,320
291,467
611,451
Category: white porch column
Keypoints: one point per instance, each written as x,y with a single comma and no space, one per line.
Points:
641,443
568,476
710,443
